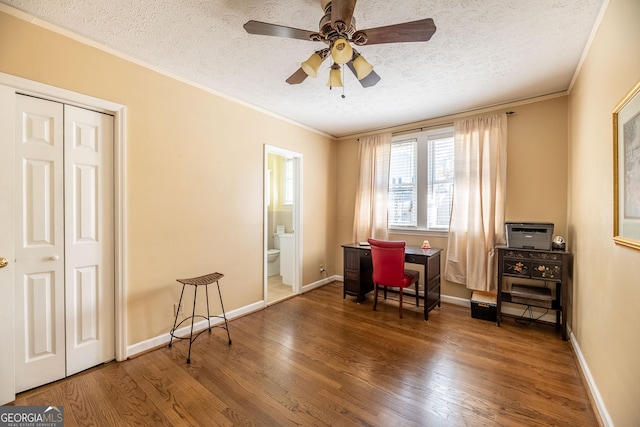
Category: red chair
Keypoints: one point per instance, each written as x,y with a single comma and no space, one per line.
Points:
389,271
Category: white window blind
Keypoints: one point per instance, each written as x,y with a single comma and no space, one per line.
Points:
421,181
288,182
403,182
440,183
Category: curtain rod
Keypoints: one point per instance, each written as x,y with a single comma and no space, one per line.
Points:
423,128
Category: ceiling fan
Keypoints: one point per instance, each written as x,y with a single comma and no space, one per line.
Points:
337,29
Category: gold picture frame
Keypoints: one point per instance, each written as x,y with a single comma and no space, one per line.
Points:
626,170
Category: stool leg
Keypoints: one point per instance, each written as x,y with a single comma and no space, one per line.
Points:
193,316
175,322
206,288
224,315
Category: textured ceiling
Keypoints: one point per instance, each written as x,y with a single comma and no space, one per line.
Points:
484,52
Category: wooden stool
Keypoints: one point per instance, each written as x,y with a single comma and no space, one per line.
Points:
205,281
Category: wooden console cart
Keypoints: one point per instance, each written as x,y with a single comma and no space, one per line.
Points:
548,266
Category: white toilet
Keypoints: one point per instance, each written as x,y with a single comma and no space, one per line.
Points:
273,263
273,255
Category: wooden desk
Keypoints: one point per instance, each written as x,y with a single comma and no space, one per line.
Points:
548,266
358,269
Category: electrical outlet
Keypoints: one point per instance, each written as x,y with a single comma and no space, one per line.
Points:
322,270
175,310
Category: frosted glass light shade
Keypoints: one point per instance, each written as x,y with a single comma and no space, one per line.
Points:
341,52
334,77
362,67
311,65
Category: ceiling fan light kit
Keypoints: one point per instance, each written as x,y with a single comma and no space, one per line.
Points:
337,29
341,52
311,65
335,80
362,66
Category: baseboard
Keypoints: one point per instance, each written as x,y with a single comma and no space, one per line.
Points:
163,339
512,310
593,388
464,302
319,283
538,313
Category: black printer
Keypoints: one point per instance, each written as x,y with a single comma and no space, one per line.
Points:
529,235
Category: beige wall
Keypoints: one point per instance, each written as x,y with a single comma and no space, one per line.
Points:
194,175
536,175
606,285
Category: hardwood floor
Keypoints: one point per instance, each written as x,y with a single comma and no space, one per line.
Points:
316,360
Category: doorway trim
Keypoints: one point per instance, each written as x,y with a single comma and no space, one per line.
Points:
41,90
297,216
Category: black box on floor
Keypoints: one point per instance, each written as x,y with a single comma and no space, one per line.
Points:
484,305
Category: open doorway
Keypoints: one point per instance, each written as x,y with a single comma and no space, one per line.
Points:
282,219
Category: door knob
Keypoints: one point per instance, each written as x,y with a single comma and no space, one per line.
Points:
3,262
54,257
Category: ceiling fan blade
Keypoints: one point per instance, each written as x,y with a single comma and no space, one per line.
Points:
371,80
342,10
414,31
265,29
297,77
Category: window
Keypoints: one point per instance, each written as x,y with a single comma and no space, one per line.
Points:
288,181
421,181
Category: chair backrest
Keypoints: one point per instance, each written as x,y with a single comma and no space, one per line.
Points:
388,261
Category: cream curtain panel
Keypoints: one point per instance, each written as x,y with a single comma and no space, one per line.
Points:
370,218
477,212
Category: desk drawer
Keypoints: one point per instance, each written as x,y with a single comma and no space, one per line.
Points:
434,268
546,270
352,275
432,296
414,259
352,259
515,267
351,287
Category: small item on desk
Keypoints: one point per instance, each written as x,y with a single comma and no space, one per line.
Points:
426,245
558,244
365,243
